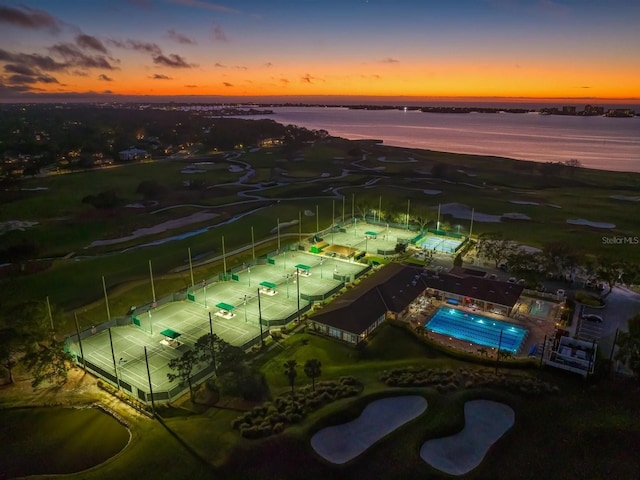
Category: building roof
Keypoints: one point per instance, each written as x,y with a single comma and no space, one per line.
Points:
492,291
392,288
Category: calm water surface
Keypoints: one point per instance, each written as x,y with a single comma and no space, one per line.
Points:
597,142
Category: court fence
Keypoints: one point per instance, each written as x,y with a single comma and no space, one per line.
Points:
135,317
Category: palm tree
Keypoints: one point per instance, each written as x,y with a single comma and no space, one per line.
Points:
290,372
312,368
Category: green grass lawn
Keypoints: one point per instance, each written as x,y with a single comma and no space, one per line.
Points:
67,225
584,431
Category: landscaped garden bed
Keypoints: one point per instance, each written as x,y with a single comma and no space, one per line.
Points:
273,417
447,380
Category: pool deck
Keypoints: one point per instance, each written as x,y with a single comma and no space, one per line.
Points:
537,327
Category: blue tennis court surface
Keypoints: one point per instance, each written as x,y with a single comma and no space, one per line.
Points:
477,329
439,244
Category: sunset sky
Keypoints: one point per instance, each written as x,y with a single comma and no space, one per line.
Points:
419,48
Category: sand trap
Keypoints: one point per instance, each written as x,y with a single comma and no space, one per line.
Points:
523,202
432,192
235,168
309,213
21,225
516,216
625,198
485,422
325,174
161,227
553,205
341,443
192,170
35,189
589,223
284,225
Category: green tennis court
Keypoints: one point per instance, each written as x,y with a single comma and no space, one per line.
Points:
233,307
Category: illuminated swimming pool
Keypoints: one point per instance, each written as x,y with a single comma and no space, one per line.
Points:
475,328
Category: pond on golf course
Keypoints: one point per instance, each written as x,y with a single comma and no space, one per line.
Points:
56,440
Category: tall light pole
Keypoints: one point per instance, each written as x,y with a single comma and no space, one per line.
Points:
253,245
245,309
260,319
224,260
153,288
408,205
278,231
298,287
191,268
343,202
50,315
333,217
106,299
379,206
317,219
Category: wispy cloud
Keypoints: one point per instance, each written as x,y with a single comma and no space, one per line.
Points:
172,60
216,7
27,17
90,42
29,79
33,60
129,44
218,34
159,76
74,57
389,60
307,78
179,37
227,84
102,77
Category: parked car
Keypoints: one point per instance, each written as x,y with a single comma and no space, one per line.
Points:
512,280
590,317
521,281
493,276
560,292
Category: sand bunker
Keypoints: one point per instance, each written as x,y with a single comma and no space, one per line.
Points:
625,198
309,213
432,192
485,422
284,225
341,443
516,216
15,225
523,202
161,227
589,223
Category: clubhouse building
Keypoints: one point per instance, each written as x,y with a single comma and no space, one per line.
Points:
388,293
